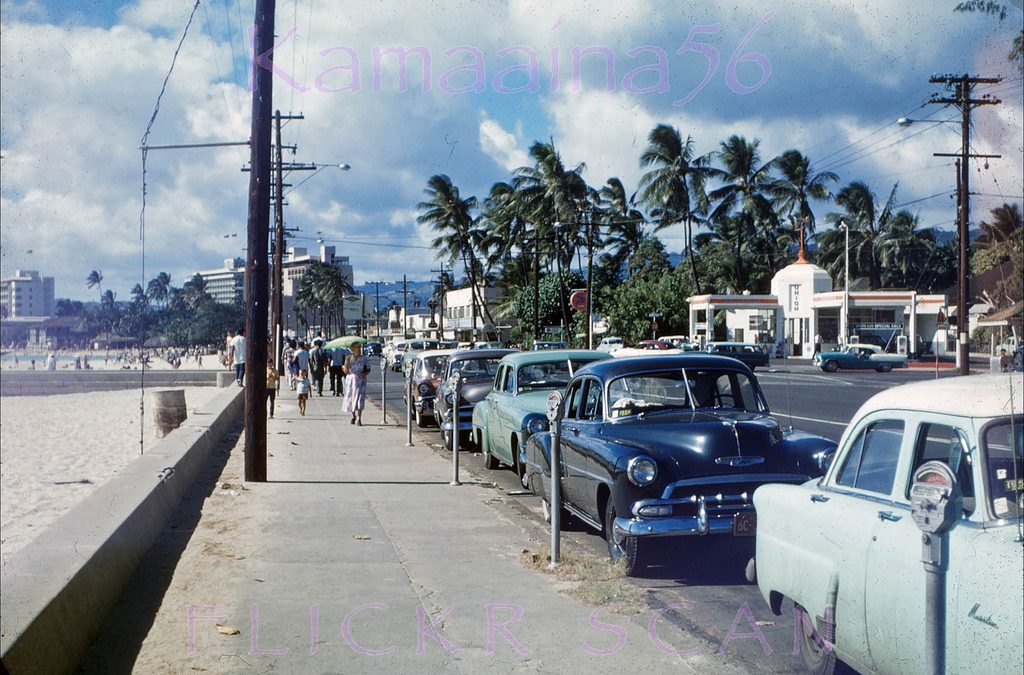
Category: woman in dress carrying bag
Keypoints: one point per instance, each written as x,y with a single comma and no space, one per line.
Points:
356,369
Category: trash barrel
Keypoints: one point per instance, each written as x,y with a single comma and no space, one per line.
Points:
168,410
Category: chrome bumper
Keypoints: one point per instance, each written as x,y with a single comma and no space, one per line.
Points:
446,425
672,526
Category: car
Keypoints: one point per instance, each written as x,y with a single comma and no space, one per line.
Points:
667,447
847,551
401,347
680,342
373,349
541,345
610,344
859,356
487,345
654,345
515,406
427,368
750,354
477,368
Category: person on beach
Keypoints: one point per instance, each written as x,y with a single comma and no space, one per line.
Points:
238,356
272,381
51,362
356,369
302,389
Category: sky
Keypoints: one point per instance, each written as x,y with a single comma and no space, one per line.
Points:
80,82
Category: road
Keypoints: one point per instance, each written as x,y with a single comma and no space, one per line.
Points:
704,579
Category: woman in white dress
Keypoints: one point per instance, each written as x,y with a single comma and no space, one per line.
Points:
356,369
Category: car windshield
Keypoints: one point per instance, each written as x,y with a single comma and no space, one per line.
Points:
1004,467
475,367
433,366
552,375
683,389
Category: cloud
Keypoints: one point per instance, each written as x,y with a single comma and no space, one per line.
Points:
501,146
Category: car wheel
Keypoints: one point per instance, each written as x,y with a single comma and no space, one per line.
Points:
885,368
819,655
421,420
446,439
517,465
627,550
830,366
491,462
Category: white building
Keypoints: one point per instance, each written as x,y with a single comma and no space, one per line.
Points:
803,304
26,294
227,284
296,261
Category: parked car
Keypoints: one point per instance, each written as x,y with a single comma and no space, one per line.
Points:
750,354
477,368
373,349
428,368
542,345
654,345
668,446
859,356
846,550
680,342
395,360
610,344
487,345
515,406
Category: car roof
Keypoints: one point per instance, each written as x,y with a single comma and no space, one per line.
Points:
548,355
617,367
466,354
966,396
432,353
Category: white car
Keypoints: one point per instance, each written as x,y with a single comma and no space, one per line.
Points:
847,552
610,344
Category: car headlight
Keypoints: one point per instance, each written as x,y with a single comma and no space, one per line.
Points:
642,471
449,398
424,388
537,425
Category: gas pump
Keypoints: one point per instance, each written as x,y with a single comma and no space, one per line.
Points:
902,345
936,504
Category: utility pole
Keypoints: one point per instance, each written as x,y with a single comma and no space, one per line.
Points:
536,286
405,308
590,280
257,234
441,290
277,320
962,100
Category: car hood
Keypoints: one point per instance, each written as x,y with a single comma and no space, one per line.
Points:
709,443
532,401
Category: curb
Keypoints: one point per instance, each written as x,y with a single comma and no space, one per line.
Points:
57,591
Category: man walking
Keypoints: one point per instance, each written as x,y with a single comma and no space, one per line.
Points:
338,355
238,355
318,364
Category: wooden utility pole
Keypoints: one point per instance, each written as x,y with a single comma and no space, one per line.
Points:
257,275
963,84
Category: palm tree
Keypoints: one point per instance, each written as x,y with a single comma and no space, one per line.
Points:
322,290
866,223
727,232
1006,221
673,189
158,289
193,293
904,251
95,279
747,182
799,184
447,213
625,224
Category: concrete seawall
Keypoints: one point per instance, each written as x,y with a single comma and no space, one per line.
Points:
47,382
57,591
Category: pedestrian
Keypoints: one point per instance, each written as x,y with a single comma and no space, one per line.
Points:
817,343
302,389
287,360
238,355
225,357
302,357
1005,362
338,355
51,362
318,366
272,381
356,369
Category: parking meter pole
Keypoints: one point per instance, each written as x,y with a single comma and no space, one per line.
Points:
556,492
456,393
408,411
383,390
934,547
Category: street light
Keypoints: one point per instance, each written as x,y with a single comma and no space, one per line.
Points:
845,323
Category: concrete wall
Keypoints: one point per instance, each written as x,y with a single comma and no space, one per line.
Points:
46,382
57,591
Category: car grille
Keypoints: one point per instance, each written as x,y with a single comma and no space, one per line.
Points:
718,500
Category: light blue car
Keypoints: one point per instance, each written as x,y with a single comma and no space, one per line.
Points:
515,407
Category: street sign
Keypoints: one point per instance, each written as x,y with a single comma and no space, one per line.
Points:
578,301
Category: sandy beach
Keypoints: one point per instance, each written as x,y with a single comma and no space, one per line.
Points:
56,450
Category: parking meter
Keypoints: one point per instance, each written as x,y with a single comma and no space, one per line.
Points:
554,415
408,408
935,505
383,390
455,386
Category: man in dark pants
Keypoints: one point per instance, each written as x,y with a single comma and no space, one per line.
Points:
318,366
338,355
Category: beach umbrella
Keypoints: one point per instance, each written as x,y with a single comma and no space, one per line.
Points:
345,342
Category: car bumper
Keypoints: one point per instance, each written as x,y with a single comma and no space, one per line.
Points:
425,405
674,526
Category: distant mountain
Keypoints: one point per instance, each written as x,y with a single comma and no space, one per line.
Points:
418,293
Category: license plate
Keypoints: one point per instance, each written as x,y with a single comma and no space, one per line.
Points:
745,524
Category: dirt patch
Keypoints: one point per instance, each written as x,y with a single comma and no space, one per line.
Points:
591,579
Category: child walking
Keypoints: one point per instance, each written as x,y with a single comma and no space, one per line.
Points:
302,388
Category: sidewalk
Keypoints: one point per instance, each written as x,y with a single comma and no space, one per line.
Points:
358,556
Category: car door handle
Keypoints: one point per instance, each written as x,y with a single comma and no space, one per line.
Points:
890,516
575,431
820,499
